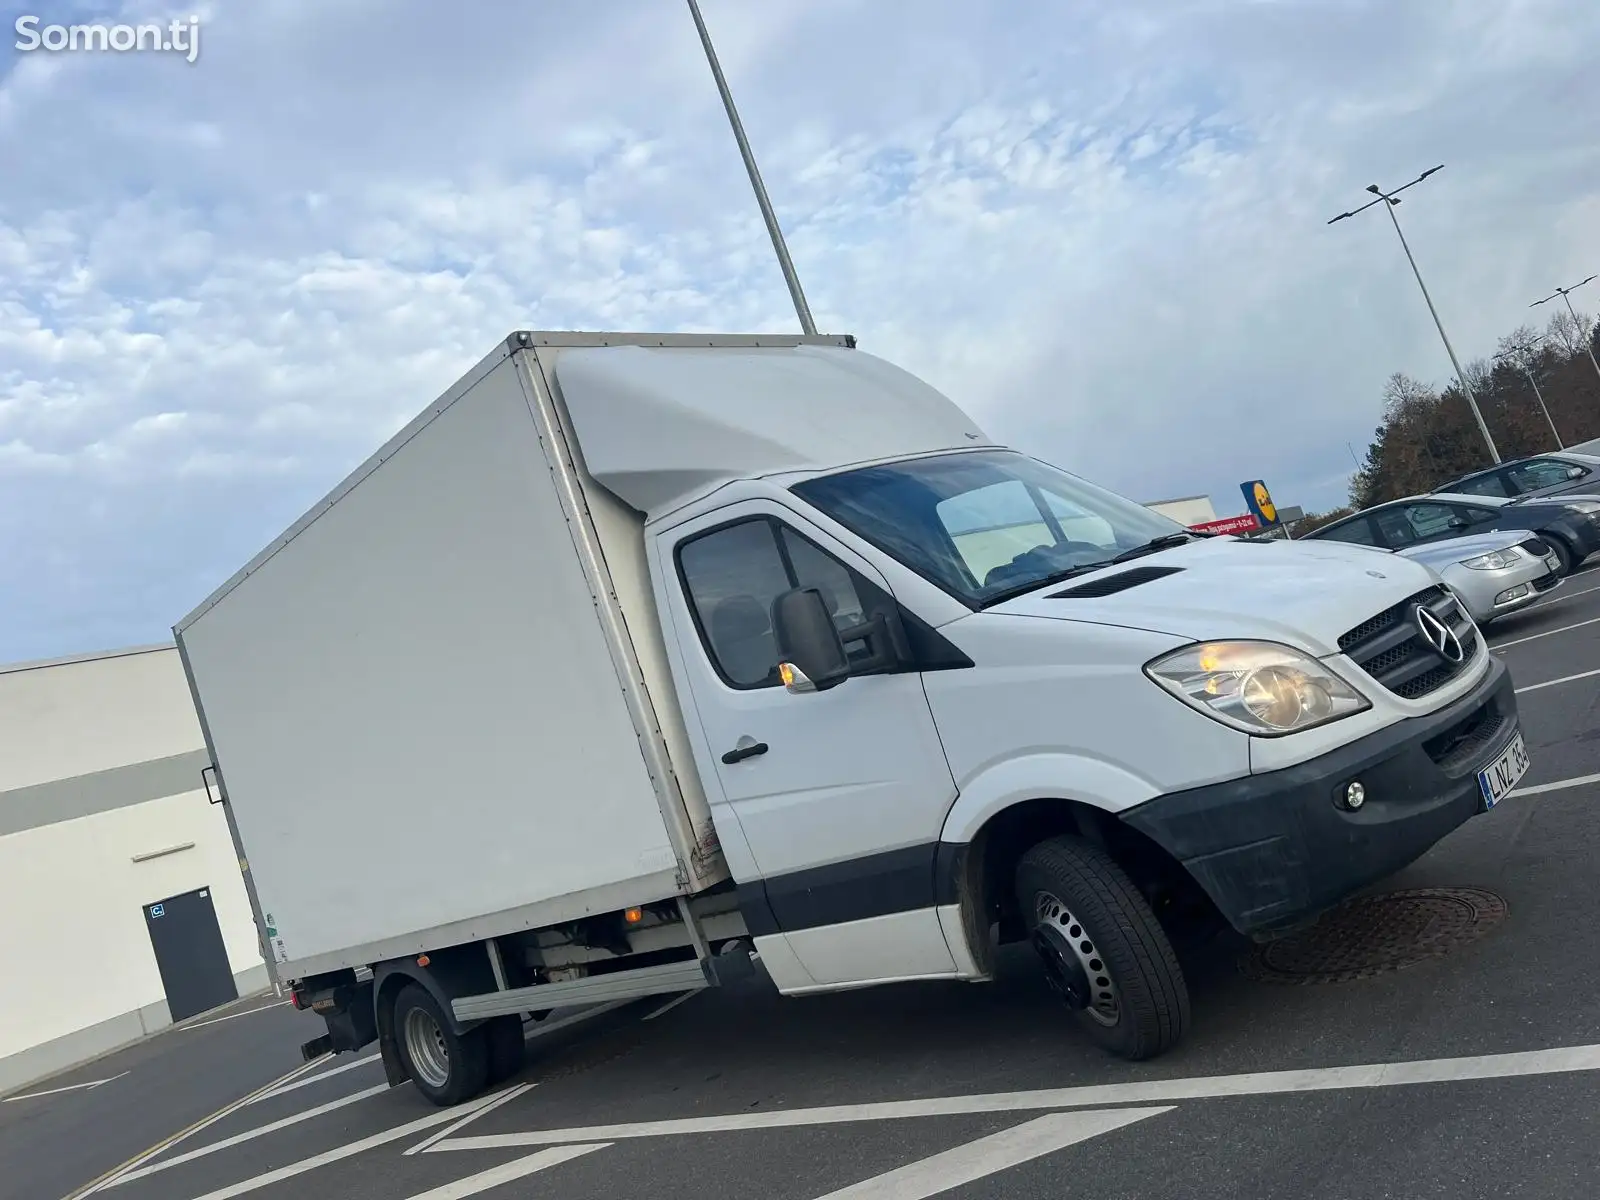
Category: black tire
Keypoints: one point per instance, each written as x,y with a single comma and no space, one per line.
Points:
505,1047
1563,552
457,1066
1137,1006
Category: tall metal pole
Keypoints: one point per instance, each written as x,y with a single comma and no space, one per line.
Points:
1389,200
1566,294
1519,355
1461,376
802,310
1539,396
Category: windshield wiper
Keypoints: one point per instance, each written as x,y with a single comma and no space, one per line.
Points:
1155,545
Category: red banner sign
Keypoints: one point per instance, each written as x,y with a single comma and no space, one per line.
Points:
1243,523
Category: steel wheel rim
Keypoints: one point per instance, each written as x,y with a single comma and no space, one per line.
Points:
1104,1007
426,1048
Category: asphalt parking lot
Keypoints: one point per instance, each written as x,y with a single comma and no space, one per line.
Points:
1471,1074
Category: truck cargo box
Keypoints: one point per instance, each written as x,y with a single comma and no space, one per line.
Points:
439,705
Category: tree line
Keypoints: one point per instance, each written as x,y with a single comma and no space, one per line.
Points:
1429,437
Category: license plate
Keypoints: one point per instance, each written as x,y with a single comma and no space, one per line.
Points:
1500,776
1552,561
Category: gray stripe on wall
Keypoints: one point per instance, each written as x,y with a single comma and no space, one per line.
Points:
100,791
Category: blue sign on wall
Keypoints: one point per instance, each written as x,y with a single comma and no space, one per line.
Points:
158,910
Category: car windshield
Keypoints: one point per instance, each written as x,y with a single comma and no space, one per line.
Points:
985,525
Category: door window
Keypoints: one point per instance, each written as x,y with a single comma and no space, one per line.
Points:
733,574
1538,473
1475,517
1490,483
1431,520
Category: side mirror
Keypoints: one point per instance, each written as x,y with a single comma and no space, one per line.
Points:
1575,472
811,654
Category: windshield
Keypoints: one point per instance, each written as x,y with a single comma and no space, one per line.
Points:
985,525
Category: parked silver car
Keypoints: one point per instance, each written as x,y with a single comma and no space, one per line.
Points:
1492,574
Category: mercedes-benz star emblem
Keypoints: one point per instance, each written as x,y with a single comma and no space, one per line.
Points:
1439,635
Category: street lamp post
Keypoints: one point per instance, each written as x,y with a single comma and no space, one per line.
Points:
1517,356
1389,200
1566,294
801,308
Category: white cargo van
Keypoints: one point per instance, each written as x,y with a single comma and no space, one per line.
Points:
634,650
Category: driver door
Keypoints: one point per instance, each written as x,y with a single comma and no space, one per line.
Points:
839,796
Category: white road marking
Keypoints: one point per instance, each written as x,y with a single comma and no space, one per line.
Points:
114,1176
1533,637
547,1026
317,1078
988,1155
1262,1083
506,1172
234,1016
1556,599
349,1150
1534,687
71,1087
249,1135
670,1005
1558,785
504,1097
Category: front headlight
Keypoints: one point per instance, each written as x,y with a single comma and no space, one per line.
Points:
1493,561
1260,687
1587,507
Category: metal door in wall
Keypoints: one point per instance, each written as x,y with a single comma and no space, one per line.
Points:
190,954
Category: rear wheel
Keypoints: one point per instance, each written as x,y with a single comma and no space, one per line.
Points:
1104,953
445,1066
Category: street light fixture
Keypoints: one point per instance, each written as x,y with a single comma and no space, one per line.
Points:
1389,200
1565,294
801,308
1517,356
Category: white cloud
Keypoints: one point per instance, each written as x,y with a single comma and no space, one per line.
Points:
222,284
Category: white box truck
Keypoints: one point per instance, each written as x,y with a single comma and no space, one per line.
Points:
633,650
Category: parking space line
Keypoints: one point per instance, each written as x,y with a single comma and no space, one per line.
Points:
1534,687
233,1016
1533,637
56,1091
349,1150
506,1172
671,1004
110,1178
987,1155
1557,599
1561,1060
249,1135
448,1130
547,1027
1558,785
318,1077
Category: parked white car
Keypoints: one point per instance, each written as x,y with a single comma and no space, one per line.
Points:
1492,574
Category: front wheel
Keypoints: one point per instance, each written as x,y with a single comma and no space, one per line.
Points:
1104,953
1564,553
446,1067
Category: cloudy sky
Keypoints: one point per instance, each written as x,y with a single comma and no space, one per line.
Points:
1100,227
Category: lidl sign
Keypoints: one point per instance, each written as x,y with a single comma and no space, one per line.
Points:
1258,503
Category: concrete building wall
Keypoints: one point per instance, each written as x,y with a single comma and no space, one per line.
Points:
102,811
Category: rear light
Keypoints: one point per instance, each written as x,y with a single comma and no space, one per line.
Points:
297,1000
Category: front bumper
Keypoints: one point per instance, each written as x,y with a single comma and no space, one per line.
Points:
1275,849
1481,591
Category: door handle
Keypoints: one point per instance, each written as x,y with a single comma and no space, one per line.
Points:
745,749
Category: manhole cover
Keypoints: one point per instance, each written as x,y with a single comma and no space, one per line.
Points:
1373,934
